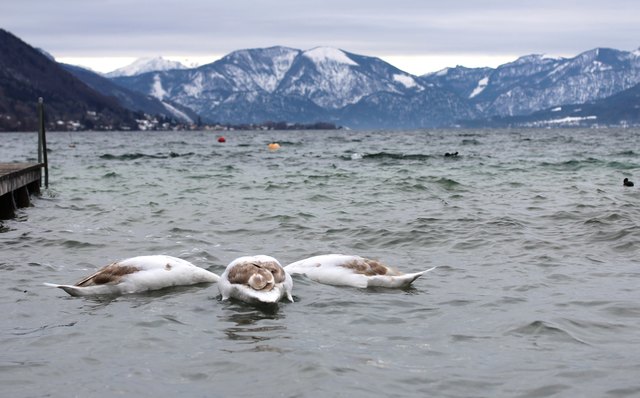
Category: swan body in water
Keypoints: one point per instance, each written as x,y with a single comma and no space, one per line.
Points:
255,279
350,270
139,274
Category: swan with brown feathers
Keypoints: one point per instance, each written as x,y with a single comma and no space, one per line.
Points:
139,274
255,279
350,270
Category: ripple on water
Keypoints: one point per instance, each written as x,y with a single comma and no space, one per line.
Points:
447,183
548,390
545,330
623,310
111,174
393,156
138,155
540,301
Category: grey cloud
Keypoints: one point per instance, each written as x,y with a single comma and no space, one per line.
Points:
403,27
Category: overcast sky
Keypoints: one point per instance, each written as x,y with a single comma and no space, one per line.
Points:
418,36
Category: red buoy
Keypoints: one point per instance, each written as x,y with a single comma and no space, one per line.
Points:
221,139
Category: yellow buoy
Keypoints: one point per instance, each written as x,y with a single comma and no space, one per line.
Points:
274,146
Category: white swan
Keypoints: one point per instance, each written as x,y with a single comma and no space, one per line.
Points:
255,279
139,274
347,270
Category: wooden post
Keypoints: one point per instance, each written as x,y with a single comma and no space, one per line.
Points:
42,142
40,117
21,197
7,206
34,188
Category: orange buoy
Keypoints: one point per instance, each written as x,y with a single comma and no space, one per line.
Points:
274,146
222,139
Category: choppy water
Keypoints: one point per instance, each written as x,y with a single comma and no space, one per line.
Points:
536,239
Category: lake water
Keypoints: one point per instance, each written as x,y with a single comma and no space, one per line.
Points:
537,245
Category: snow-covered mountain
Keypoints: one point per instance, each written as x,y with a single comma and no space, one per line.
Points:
536,82
332,85
621,109
280,83
333,78
132,100
144,65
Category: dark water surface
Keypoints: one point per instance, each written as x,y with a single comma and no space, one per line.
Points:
536,239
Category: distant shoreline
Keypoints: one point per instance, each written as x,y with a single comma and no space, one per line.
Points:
265,126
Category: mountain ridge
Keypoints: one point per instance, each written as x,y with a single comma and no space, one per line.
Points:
335,81
533,82
27,74
280,80
132,100
322,84
75,98
143,65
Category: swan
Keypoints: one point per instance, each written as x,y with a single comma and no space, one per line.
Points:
255,279
139,274
350,270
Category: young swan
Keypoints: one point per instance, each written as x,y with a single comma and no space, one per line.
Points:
347,270
255,279
139,274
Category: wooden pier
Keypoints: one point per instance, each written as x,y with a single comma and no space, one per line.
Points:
17,182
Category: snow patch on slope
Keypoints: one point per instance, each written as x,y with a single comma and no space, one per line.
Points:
482,84
177,113
405,80
195,87
282,63
156,89
329,54
144,65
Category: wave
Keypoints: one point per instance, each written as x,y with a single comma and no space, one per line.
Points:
573,164
112,174
447,183
138,155
76,244
623,165
26,331
579,164
386,156
545,329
